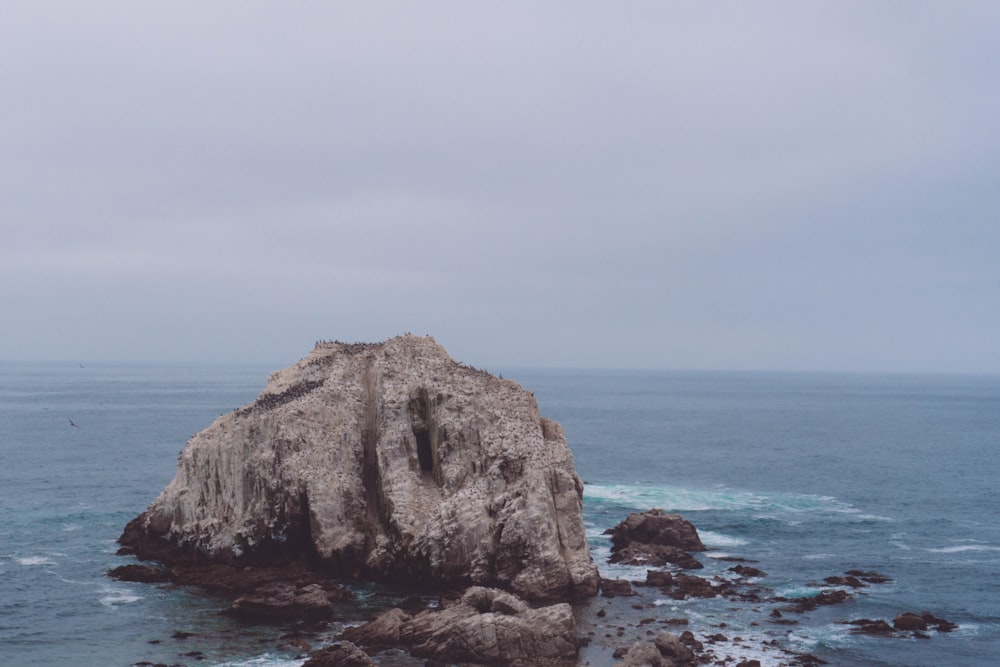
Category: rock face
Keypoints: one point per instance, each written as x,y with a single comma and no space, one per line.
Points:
485,625
386,460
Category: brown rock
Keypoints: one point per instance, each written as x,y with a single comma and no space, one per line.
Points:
611,588
656,527
281,602
145,574
655,555
478,629
909,621
339,654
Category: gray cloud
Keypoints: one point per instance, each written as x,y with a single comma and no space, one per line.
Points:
782,185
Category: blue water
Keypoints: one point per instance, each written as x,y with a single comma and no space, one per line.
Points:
809,474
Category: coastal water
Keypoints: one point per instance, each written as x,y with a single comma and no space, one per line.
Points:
809,475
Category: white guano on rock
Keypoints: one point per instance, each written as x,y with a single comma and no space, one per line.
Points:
385,460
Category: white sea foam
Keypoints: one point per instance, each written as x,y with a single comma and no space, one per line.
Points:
681,499
671,497
959,548
36,560
113,596
713,539
264,660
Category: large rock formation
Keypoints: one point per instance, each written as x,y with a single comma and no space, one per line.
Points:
390,461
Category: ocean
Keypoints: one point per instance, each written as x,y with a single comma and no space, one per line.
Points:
808,475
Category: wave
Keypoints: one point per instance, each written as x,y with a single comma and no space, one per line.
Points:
964,547
716,540
115,596
264,660
682,499
35,560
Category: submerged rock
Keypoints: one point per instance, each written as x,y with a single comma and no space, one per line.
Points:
389,461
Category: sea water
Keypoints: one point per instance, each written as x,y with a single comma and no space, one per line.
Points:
810,475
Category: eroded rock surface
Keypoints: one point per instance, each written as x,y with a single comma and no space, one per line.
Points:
485,625
655,538
390,461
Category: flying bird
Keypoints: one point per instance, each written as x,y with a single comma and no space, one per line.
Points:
72,423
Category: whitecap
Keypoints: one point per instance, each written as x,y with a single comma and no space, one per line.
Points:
713,539
964,547
116,596
264,660
682,499
36,560
817,556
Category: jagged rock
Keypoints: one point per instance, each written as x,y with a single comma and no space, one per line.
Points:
666,650
280,601
616,588
685,586
867,626
909,621
656,527
870,577
144,574
660,578
484,626
339,654
388,461
747,571
655,555
824,598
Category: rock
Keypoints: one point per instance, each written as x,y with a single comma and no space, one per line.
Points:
909,621
666,650
747,571
673,647
384,630
469,630
824,598
144,574
870,577
660,578
389,461
940,624
656,527
685,586
867,626
616,588
280,602
339,654
849,580
656,555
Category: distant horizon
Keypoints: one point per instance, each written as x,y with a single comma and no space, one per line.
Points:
507,368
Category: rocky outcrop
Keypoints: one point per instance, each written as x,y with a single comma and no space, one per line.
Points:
655,538
389,461
666,650
485,625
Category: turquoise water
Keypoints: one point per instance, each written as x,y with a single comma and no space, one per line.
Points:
809,474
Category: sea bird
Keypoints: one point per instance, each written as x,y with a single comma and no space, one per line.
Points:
72,423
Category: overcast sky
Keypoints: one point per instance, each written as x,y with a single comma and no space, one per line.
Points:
700,185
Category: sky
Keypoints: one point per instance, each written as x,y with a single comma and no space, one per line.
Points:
800,186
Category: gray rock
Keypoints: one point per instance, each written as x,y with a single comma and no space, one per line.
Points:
340,654
387,461
467,631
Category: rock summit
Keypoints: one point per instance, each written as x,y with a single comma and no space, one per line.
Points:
388,461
